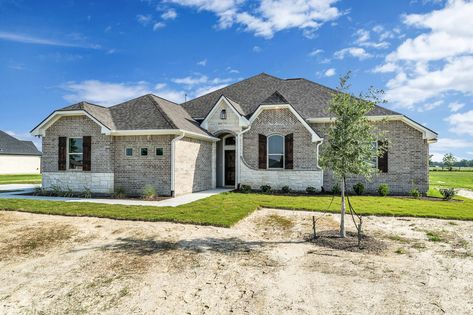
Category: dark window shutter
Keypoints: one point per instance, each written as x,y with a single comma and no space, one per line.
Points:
61,161
289,149
262,154
87,146
383,159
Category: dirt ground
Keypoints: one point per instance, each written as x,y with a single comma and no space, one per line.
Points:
263,265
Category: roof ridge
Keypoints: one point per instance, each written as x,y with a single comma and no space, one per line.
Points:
254,76
163,113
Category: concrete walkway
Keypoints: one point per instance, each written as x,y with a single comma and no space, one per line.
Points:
171,202
465,193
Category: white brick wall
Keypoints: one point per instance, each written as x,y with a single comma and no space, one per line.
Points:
79,181
297,180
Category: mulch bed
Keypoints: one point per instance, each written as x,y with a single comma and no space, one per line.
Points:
331,239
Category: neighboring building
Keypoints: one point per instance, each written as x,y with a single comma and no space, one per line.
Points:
262,130
17,156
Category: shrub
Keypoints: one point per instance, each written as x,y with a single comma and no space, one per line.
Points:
415,193
359,188
87,193
383,190
119,193
448,193
311,190
149,192
286,189
265,188
56,191
336,189
68,193
245,189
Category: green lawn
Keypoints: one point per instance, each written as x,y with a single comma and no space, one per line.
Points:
452,179
20,179
228,208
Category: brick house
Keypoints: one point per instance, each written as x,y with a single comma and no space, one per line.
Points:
262,130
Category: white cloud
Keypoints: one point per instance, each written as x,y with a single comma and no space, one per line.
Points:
158,25
169,15
270,16
257,49
316,52
362,36
437,61
330,72
461,123
356,52
444,145
455,106
28,39
104,93
208,89
144,19
202,63
162,90
384,68
189,80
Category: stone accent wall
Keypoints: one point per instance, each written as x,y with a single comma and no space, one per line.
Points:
133,173
232,123
408,156
193,165
297,180
77,126
283,122
79,181
100,178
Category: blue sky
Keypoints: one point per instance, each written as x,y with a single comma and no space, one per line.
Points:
54,53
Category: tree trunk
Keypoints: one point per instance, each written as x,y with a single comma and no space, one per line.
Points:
342,214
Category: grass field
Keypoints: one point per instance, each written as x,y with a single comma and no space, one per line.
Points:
452,179
20,179
228,208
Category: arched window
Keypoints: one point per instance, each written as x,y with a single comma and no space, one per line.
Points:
223,114
230,141
275,151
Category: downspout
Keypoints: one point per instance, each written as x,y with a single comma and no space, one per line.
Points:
318,150
240,153
173,162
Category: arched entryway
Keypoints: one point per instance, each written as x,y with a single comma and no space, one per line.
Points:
226,160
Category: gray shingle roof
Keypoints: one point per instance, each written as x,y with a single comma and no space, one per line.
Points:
308,98
147,112
13,146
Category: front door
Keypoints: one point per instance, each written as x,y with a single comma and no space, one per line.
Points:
229,168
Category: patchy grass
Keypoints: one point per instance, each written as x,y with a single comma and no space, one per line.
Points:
452,179
279,222
20,179
228,208
401,251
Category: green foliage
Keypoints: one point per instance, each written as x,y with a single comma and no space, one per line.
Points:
265,188
448,193
336,189
87,193
350,138
245,189
311,190
286,189
383,190
149,192
359,189
414,192
119,193
455,179
449,160
20,179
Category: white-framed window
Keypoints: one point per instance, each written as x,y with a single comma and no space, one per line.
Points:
75,153
129,151
144,151
223,114
275,152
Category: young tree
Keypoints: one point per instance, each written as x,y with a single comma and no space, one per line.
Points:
349,146
449,160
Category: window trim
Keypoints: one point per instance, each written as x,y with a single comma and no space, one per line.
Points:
156,151
147,151
283,152
126,153
69,154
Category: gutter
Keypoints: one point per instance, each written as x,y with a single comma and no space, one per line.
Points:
173,162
